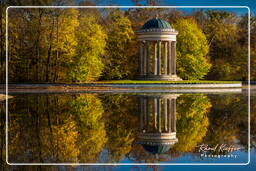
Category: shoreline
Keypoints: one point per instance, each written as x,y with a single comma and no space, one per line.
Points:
122,88
127,84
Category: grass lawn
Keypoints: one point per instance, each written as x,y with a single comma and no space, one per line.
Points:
165,82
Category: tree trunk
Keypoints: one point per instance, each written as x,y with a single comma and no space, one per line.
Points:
49,54
1,34
38,44
57,52
1,44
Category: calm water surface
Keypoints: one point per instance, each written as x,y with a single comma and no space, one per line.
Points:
128,128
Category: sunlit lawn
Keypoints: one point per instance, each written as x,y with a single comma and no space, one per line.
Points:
164,82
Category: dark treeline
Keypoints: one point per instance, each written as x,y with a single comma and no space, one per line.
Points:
81,45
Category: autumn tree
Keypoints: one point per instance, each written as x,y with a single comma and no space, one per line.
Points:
153,2
120,58
61,43
253,46
3,5
192,50
71,45
42,44
87,64
228,55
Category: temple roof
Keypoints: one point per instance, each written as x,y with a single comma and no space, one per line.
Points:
156,23
157,149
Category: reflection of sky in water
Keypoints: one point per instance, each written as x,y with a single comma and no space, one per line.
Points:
250,167
242,157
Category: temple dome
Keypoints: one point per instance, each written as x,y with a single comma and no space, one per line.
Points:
156,23
157,149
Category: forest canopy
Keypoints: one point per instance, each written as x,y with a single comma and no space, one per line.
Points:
83,45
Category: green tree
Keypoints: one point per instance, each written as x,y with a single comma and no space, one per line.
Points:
192,49
87,64
227,37
253,46
119,59
192,121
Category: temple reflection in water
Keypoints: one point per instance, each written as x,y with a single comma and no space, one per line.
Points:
157,122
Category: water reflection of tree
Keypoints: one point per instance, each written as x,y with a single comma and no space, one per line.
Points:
229,120
121,125
88,113
2,135
41,129
192,121
72,128
253,121
56,128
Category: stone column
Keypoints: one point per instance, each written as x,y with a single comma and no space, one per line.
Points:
158,57
169,115
173,105
159,114
165,57
140,64
169,57
174,57
147,58
141,112
144,113
155,58
147,114
144,59
155,113
165,114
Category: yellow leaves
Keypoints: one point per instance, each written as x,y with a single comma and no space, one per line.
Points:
92,133
64,140
87,64
121,125
192,47
65,40
118,49
192,122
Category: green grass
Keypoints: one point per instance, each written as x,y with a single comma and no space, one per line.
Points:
164,82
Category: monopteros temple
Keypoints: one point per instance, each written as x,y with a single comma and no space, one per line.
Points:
157,51
157,122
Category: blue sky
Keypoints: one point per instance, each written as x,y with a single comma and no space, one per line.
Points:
250,3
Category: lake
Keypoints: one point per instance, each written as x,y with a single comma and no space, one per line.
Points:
128,128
